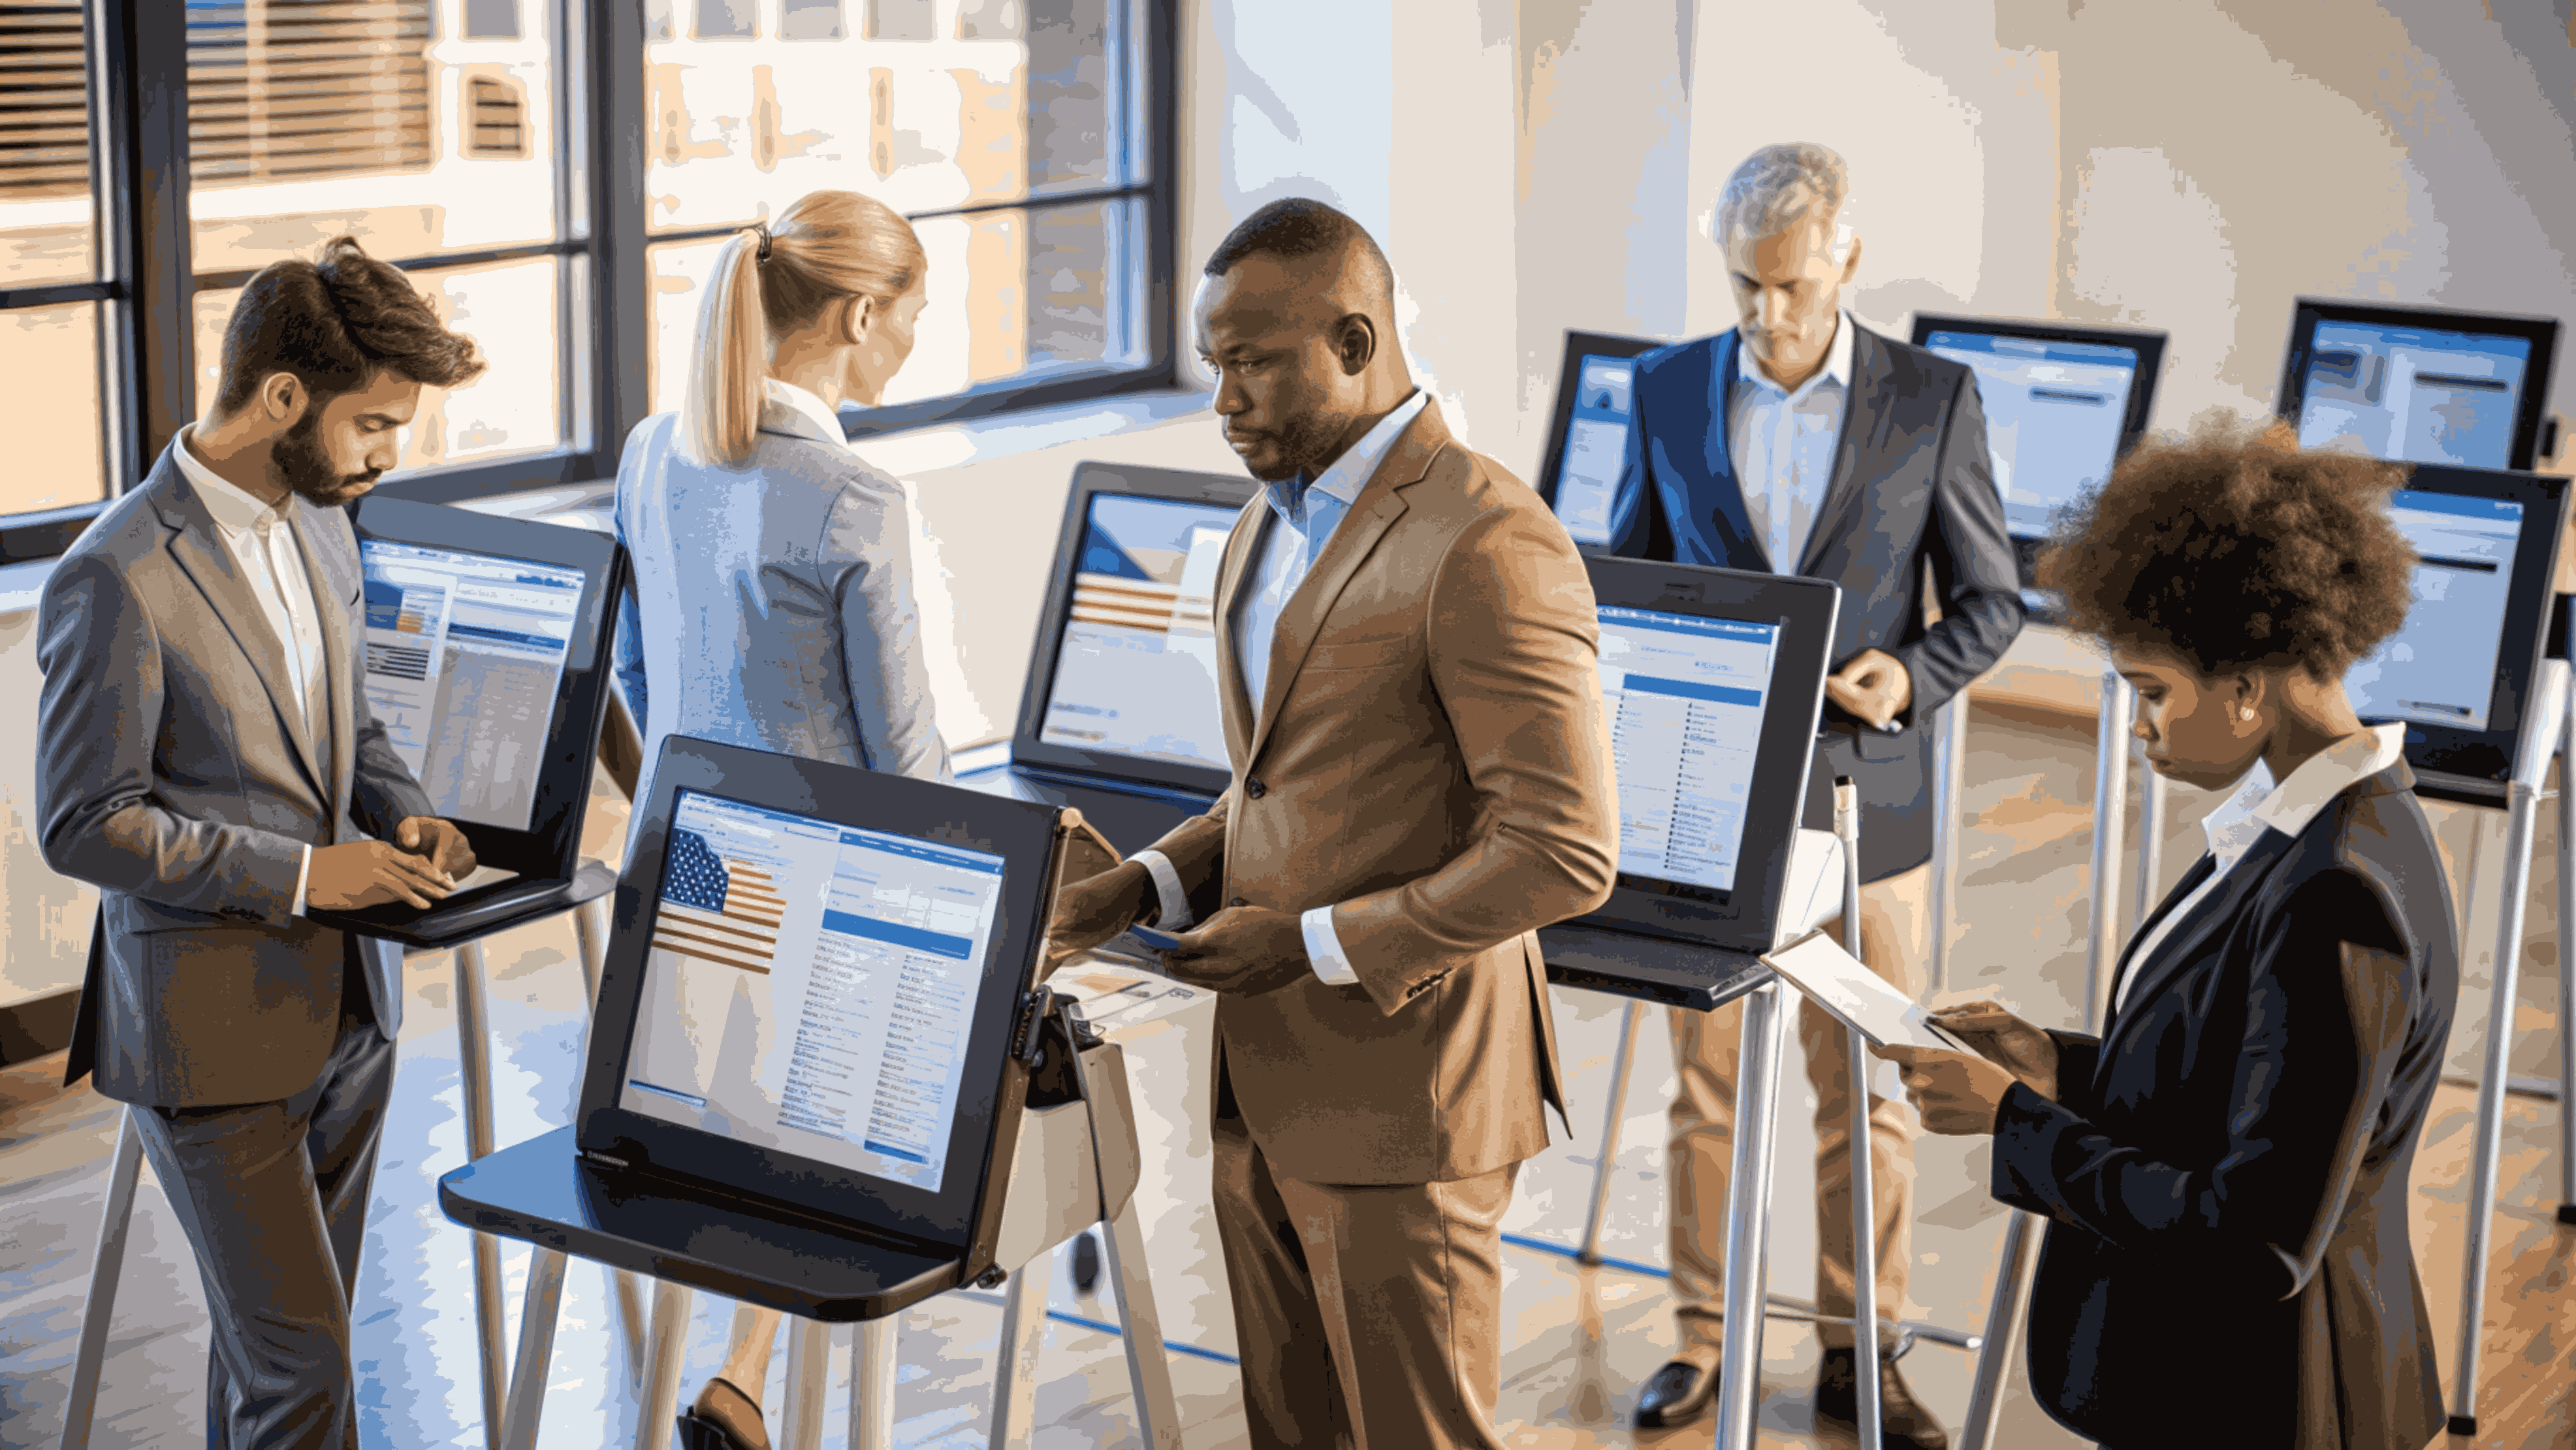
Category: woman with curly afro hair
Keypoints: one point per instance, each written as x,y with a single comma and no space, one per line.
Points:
2224,1170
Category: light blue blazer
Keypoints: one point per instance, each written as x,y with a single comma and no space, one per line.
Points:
771,605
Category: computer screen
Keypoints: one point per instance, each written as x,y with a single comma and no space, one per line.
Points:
1136,673
2413,394
1684,697
808,987
2440,667
465,657
1596,444
2055,412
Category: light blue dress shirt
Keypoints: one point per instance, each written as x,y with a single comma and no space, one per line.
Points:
1783,444
1301,523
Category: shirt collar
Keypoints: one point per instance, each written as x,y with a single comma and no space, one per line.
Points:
1837,368
2259,805
1351,472
233,510
813,408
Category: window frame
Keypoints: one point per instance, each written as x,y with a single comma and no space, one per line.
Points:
136,54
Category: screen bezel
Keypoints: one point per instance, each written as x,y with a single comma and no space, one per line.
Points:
1806,609
1166,485
550,849
2489,754
1579,345
2530,410
2148,343
985,1127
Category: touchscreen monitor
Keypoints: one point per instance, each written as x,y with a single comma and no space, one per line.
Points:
465,657
2413,394
1596,446
1685,697
2056,413
808,987
1135,671
2440,666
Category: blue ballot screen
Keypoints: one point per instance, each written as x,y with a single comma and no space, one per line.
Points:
465,653
2054,412
1136,673
1684,697
809,987
2413,394
2440,667
1596,445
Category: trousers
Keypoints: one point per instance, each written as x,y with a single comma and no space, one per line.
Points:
1699,1151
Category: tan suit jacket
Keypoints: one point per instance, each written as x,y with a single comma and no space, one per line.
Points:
1430,759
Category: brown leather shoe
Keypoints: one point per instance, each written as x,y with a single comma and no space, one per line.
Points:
724,1418
1903,1424
1678,1393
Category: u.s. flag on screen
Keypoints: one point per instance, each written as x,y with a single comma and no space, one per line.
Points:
717,910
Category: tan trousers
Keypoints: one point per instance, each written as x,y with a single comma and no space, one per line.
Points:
1369,1315
1895,924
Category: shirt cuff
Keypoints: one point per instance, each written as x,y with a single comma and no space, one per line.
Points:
1324,949
1167,884
303,874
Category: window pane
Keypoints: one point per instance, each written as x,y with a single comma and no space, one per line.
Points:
508,308
308,119
679,287
50,356
47,227
1015,99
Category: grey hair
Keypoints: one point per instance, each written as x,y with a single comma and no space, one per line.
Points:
1780,186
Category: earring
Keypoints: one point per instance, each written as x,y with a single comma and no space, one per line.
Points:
2245,712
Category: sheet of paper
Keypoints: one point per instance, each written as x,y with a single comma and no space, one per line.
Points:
1837,981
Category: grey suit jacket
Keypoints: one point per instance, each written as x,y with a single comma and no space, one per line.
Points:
175,774
771,604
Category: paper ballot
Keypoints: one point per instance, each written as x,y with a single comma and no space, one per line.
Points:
1835,980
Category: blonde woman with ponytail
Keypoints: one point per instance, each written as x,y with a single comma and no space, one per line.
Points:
772,604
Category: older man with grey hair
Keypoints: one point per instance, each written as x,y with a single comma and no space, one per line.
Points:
1800,442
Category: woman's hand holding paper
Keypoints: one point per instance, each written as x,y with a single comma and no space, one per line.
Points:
1955,1094
1999,1037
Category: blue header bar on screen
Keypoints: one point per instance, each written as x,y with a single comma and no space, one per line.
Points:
922,850
1692,690
2464,505
935,942
1690,624
2035,349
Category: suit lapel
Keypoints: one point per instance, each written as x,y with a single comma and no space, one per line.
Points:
1229,582
313,527
1712,497
199,549
1372,513
2191,934
1856,455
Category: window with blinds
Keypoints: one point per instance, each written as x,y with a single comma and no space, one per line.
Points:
44,106
495,118
296,90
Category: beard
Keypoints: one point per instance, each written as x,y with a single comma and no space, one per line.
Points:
300,462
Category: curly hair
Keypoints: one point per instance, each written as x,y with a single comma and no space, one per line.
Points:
2235,547
336,323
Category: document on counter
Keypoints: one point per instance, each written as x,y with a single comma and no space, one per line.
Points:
1837,981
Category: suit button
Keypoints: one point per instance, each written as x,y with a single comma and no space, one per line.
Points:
1255,789
1237,901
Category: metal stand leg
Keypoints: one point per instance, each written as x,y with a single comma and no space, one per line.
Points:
1149,1366
474,1054
1864,1208
2567,966
2003,1331
2110,813
536,1350
1620,1064
1949,774
1748,1213
1015,1397
809,1378
626,1293
662,1365
114,1221
872,1385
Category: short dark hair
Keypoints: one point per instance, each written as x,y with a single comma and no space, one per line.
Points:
336,323
1292,228
2233,548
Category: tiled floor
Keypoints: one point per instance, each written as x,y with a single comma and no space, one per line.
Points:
1581,1338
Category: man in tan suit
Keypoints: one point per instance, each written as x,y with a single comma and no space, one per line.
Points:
1421,781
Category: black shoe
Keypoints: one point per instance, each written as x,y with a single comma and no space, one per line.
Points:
1679,1393
724,1418
1903,1424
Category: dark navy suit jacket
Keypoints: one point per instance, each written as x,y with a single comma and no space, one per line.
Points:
2225,1170
1912,489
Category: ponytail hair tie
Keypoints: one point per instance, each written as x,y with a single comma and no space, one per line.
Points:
763,232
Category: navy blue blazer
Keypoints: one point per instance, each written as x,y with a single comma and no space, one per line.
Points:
2225,1170
1913,490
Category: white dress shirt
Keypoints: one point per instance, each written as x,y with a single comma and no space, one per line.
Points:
2258,806
265,549
1301,522
1783,444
